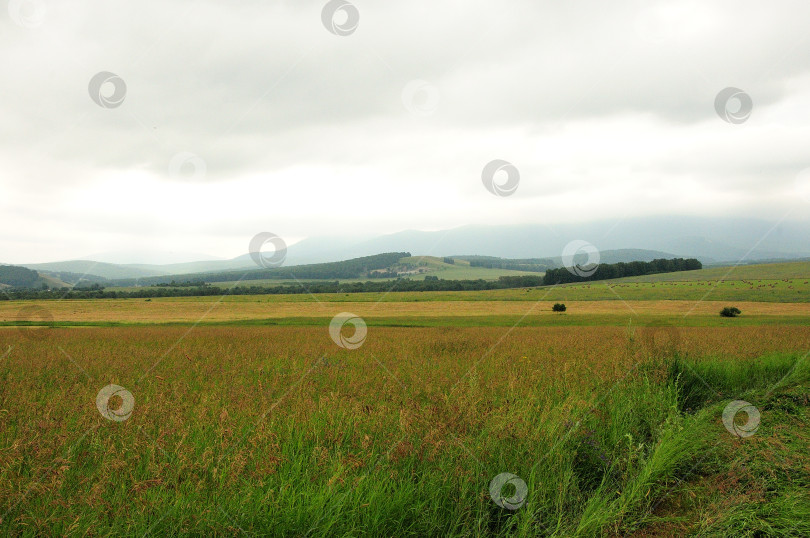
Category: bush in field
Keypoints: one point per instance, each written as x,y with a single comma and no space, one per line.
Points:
730,312
558,307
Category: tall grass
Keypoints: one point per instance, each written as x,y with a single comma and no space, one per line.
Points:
702,382
238,435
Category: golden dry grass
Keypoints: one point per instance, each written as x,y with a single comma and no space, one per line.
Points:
177,374
261,307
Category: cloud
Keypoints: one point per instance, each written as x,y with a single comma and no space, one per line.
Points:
608,111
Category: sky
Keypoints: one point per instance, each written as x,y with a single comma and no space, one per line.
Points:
190,126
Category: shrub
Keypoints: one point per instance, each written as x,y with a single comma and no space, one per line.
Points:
730,312
558,307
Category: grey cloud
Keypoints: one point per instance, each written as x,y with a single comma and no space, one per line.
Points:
258,88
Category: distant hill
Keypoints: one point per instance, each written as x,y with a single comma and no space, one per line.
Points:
66,278
148,257
13,276
364,266
242,262
710,240
53,281
91,268
390,265
541,264
19,277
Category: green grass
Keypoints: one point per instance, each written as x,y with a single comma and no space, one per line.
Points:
750,487
790,290
641,454
459,270
616,463
767,271
702,383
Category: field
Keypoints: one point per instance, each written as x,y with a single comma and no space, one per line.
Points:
768,271
250,417
460,270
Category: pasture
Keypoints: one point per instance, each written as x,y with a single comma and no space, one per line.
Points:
249,416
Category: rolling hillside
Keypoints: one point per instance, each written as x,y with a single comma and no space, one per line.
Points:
92,268
764,271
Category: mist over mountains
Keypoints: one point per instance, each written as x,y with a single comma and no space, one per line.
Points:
711,240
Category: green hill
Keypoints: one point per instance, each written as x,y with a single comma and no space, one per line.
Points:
375,268
19,277
363,267
764,271
460,269
53,281
91,268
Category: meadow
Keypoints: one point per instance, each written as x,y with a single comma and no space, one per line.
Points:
249,416
434,267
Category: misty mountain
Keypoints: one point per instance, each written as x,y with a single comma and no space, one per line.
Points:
93,268
711,240
149,258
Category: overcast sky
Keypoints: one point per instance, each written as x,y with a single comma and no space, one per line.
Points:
606,110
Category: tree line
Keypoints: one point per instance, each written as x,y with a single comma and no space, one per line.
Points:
607,271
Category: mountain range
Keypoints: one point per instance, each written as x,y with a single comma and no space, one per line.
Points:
711,240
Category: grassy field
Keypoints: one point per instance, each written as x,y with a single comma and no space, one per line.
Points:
249,415
270,310
785,290
783,282
716,284
767,271
459,270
